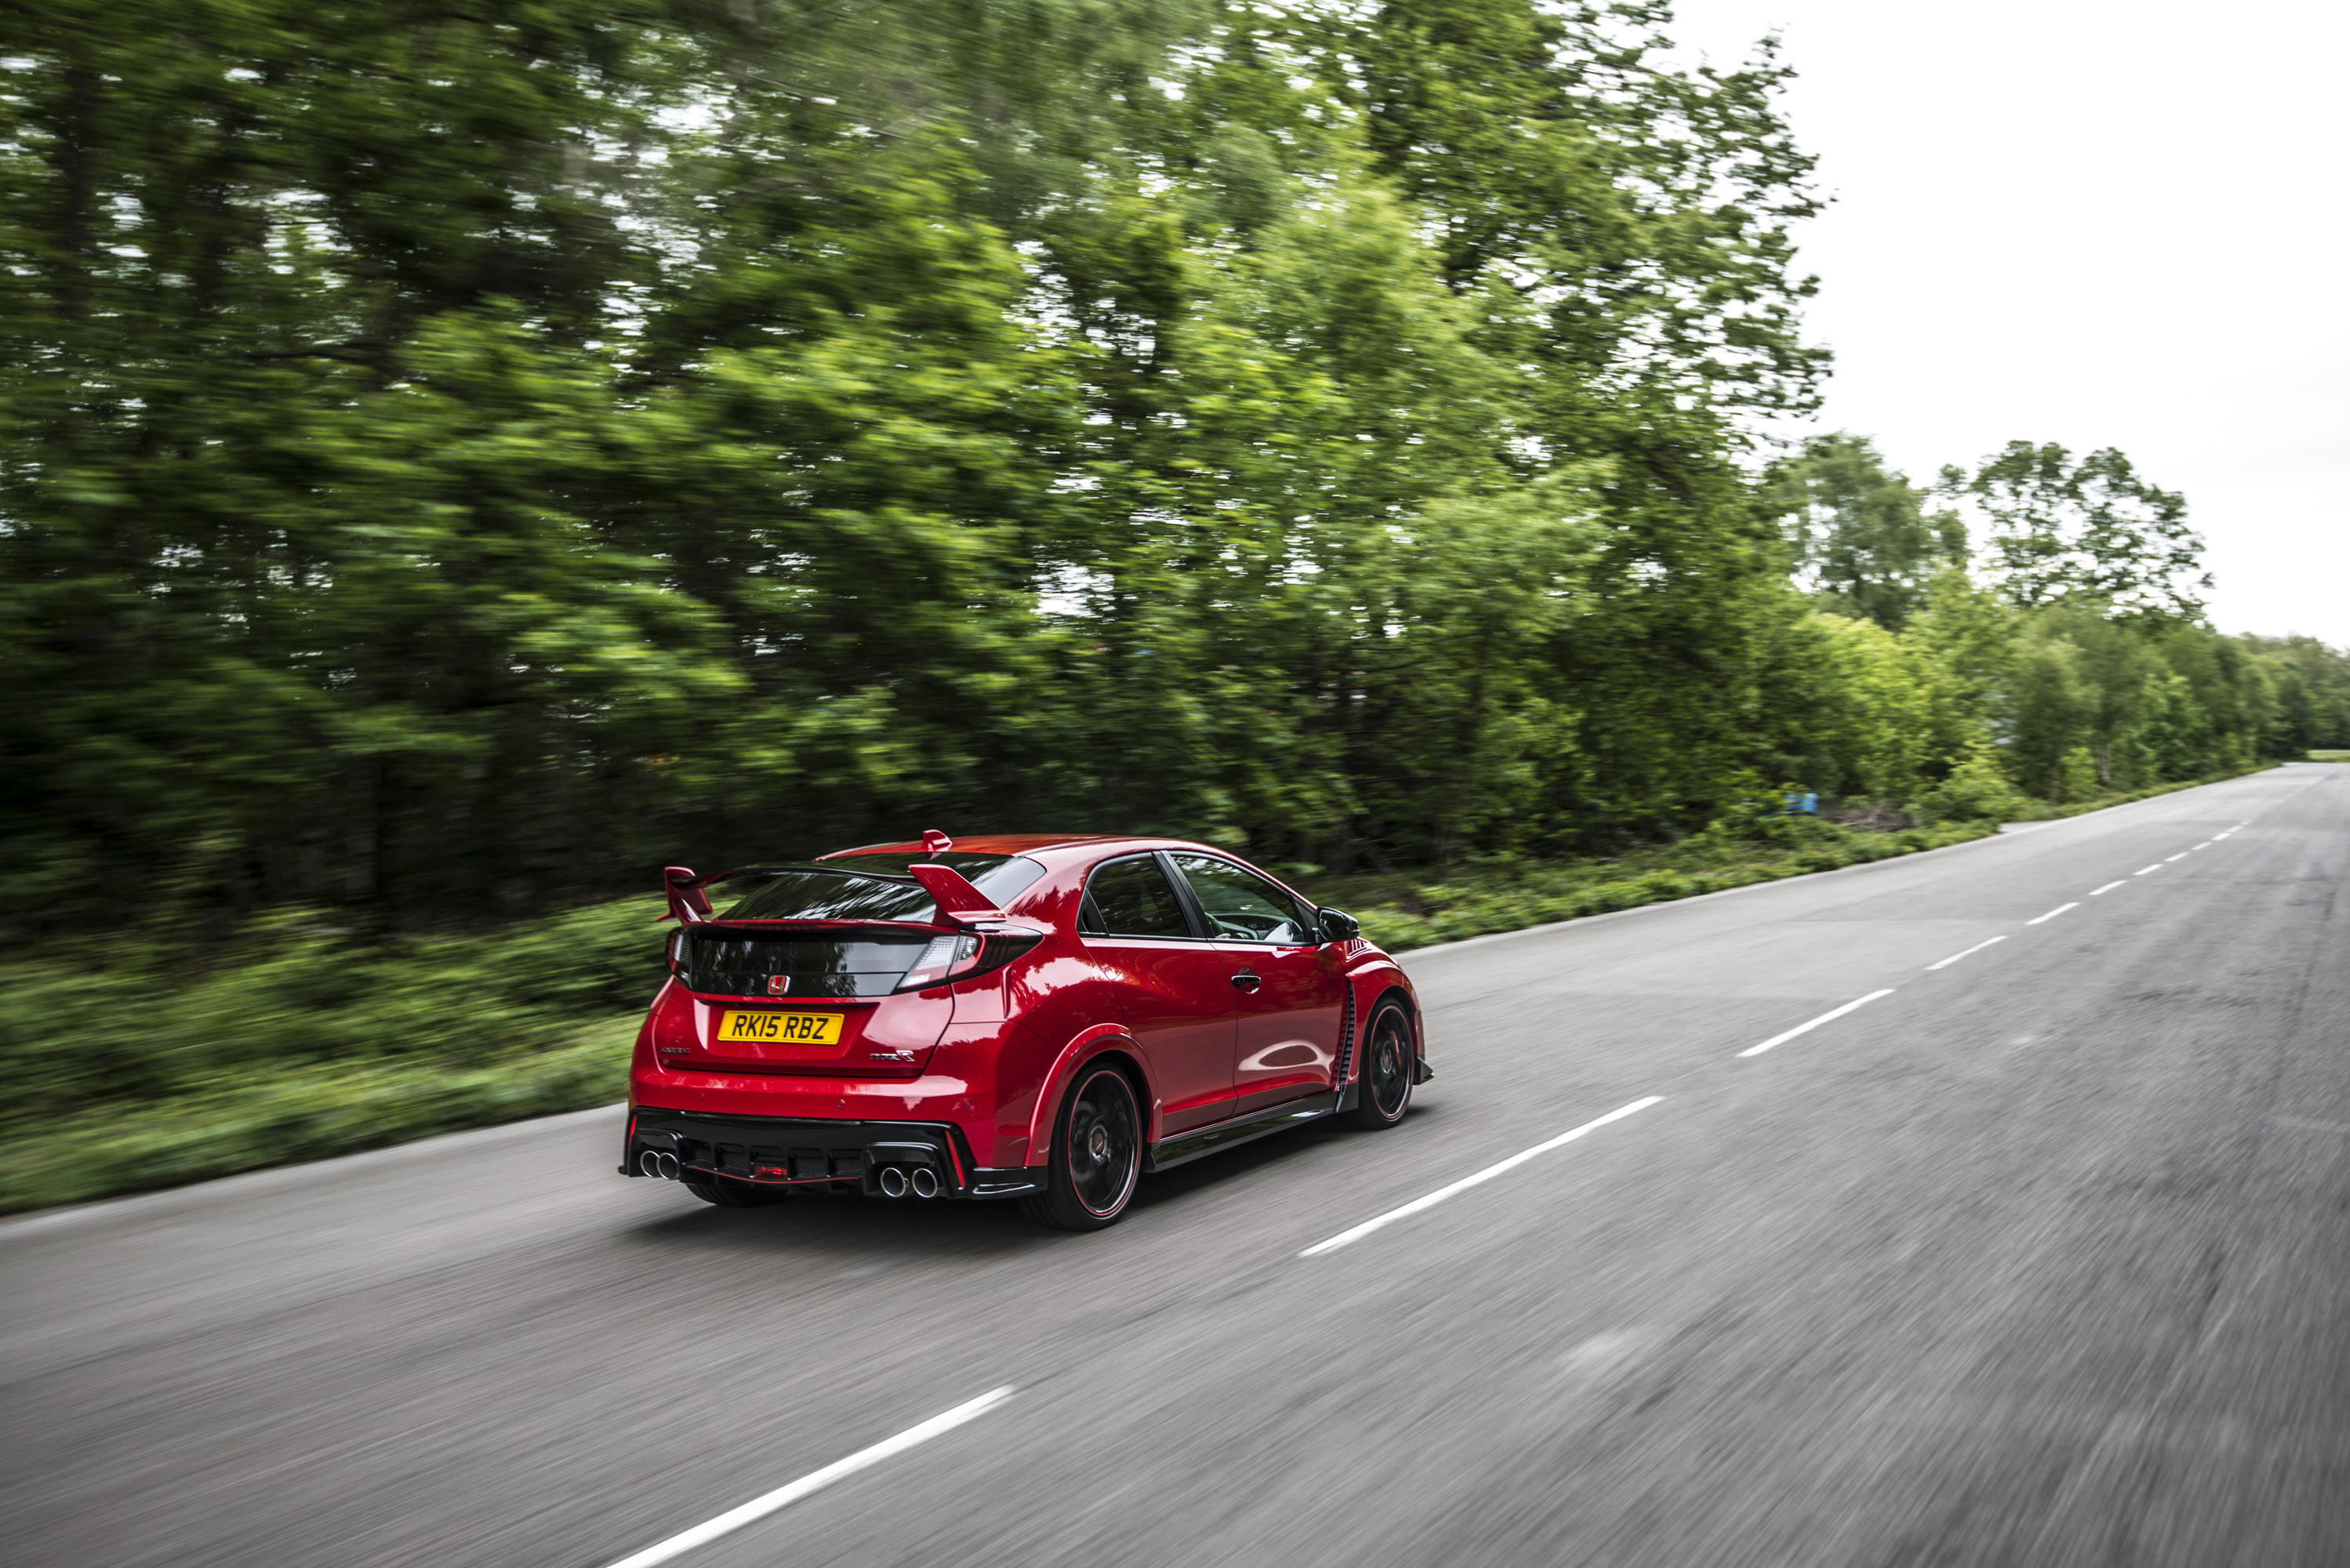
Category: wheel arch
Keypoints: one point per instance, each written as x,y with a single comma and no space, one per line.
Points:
1383,983
1103,1040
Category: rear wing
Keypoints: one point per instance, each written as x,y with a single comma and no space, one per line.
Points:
958,903
688,904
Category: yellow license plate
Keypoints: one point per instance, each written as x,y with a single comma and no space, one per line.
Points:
766,1028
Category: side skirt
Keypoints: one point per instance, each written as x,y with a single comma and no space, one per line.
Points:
1190,1146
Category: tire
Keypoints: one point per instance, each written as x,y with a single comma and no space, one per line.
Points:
1390,1054
1096,1156
731,1194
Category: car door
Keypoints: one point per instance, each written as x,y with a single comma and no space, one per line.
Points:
1172,983
1289,983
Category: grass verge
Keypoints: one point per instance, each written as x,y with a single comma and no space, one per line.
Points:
2048,813
303,1113
1408,910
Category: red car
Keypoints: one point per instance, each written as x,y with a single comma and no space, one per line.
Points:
1044,1018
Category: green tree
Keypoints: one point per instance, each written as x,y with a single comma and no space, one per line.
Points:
2093,530
1860,535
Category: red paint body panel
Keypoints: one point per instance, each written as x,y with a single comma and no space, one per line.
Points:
991,1055
1288,1033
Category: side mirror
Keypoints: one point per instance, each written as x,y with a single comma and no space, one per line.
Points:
1337,926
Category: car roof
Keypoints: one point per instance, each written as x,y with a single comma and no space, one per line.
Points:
1054,849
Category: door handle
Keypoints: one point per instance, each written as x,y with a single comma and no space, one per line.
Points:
1247,979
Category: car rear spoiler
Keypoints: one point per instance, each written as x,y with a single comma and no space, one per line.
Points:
688,904
959,902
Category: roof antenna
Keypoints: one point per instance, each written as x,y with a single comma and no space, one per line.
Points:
936,843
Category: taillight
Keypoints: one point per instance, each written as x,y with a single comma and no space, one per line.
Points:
963,954
677,959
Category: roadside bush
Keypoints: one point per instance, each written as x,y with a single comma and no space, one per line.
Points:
298,1040
1511,898
1977,790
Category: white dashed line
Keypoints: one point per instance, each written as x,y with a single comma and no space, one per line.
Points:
2180,855
2053,913
1833,1012
1944,964
2155,867
2108,887
1346,1238
814,1480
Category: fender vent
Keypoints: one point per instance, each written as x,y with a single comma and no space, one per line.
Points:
1346,1040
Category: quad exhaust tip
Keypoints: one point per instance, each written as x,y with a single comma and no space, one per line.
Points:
922,1181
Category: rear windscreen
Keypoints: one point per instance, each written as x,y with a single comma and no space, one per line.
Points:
836,892
861,963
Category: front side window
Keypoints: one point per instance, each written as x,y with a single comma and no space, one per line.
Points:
1243,906
1132,899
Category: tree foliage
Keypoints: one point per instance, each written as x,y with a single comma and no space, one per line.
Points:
1860,536
461,458
2092,529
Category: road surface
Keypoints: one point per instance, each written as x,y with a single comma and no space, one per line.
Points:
2040,1256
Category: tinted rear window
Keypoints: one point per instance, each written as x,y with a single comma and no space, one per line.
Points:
835,891
868,964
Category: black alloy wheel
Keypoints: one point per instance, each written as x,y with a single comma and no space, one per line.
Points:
1096,1154
1391,1053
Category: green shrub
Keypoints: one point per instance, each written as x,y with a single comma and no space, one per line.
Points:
1977,790
1509,897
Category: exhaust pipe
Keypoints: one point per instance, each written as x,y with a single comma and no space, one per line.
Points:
654,1163
926,1182
893,1182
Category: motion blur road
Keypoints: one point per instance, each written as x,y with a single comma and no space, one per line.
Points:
2039,1257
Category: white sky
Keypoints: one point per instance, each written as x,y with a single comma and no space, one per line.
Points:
2096,224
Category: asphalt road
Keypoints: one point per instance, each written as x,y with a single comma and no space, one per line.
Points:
2039,1257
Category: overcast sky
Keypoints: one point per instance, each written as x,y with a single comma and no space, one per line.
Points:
2095,223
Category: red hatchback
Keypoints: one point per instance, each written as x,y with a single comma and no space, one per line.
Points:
1044,1018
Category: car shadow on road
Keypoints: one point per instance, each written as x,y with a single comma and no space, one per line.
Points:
865,1236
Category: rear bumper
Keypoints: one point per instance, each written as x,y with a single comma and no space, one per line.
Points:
815,1154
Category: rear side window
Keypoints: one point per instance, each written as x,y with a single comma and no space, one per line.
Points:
1243,906
1132,899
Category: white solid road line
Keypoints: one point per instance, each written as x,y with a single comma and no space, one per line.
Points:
1839,1012
2053,913
2108,887
1930,967
1345,1238
814,1480
2155,867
